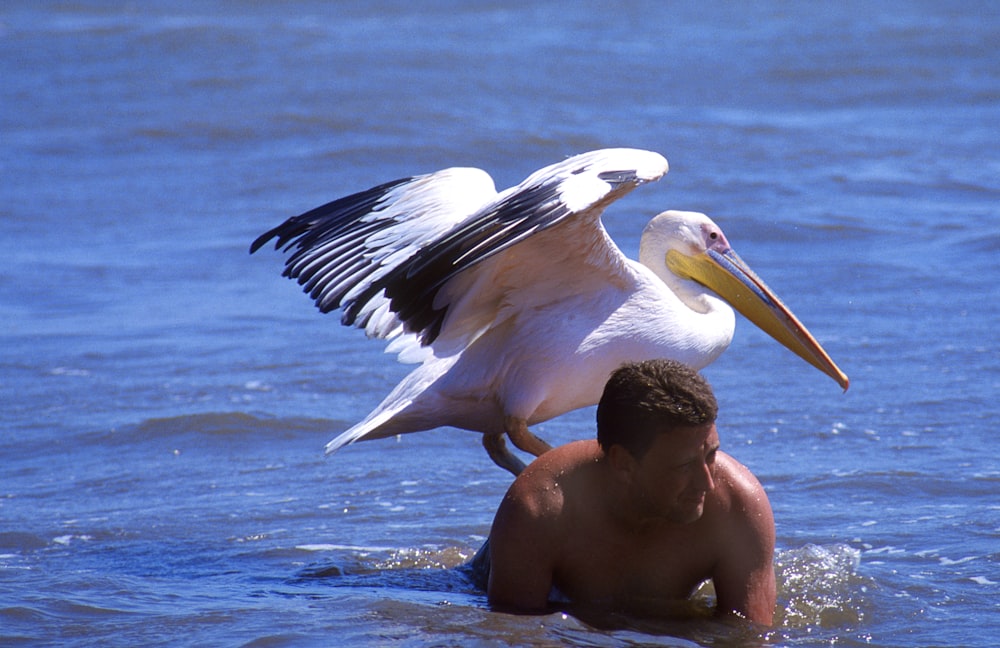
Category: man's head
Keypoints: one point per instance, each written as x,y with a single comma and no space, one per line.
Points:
656,425
644,399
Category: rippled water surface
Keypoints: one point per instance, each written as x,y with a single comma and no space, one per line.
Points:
165,397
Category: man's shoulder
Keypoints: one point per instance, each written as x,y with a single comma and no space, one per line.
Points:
736,477
535,496
542,489
739,494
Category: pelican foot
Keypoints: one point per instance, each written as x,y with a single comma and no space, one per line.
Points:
521,437
496,446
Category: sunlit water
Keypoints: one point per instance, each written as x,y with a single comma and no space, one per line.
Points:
165,397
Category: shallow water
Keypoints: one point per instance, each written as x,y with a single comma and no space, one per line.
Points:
166,397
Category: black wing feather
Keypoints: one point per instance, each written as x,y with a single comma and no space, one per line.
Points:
413,285
327,221
321,225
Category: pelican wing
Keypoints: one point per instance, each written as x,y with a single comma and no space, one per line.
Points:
545,230
345,247
400,257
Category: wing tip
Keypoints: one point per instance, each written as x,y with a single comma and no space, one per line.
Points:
640,165
262,240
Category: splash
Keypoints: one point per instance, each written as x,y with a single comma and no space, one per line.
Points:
446,558
820,586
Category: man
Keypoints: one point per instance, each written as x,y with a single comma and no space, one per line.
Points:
634,521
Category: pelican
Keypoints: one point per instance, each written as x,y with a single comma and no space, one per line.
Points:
518,305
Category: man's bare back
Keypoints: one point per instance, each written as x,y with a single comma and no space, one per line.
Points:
635,536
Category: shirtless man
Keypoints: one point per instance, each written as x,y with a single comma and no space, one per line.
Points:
634,521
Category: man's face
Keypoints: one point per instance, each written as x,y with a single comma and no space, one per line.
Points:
676,473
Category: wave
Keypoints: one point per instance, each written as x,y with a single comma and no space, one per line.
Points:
225,426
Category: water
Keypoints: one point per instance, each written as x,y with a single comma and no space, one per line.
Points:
166,397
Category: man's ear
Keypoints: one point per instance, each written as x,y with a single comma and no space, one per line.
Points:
623,464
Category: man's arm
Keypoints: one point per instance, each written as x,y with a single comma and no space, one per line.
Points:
521,555
744,575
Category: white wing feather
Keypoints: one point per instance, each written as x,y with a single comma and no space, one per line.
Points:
443,257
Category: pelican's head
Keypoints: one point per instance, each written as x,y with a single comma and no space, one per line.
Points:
690,246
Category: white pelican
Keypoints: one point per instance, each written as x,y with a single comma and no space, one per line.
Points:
518,305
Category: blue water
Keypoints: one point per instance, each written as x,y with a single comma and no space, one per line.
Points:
165,397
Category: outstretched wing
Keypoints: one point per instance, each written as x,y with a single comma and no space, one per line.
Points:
561,203
343,248
401,256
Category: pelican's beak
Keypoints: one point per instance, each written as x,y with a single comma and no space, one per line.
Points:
726,274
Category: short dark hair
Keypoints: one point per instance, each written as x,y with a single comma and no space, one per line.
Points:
643,399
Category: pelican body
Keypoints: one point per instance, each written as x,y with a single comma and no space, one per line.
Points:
517,305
